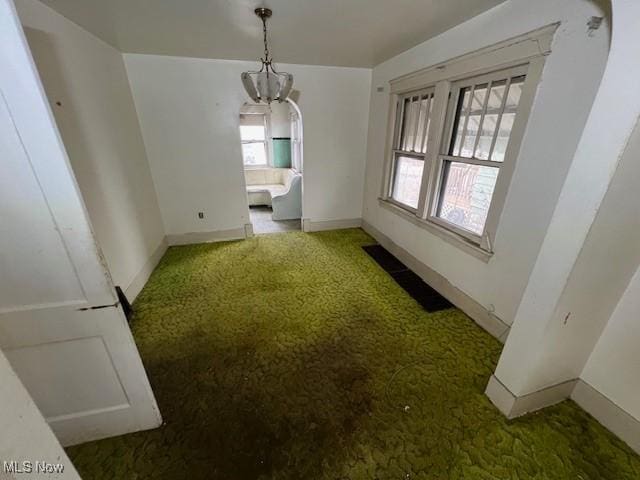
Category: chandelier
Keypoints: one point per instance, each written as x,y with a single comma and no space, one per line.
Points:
266,85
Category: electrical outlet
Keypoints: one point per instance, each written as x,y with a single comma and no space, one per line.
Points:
201,215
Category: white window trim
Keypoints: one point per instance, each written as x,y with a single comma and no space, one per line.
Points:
528,50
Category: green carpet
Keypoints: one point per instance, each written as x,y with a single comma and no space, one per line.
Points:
294,356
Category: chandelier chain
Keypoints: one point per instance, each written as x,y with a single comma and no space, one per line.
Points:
264,32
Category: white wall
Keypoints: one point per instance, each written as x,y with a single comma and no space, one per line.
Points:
99,126
613,367
571,76
188,110
606,263
555,328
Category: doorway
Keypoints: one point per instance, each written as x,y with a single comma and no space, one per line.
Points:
271,140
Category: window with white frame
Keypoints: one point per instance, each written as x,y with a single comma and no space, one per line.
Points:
454,138
253,135
410,147
481,116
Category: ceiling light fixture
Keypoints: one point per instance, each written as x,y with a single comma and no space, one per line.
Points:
266,85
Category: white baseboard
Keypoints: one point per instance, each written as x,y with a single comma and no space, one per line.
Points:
309,225
610,415
464,302
512,406
140,279
207,237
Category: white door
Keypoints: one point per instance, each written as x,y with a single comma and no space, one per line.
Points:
60,323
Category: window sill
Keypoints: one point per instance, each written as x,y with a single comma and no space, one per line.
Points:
447,235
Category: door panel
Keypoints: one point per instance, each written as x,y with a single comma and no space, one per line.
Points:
61,327
46,365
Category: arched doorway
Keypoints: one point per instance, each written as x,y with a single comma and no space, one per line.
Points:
272,157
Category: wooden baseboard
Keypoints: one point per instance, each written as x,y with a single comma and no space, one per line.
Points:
309,225
464,302
142,276
610,415
207,237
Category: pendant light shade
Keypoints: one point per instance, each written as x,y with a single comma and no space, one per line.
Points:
266,85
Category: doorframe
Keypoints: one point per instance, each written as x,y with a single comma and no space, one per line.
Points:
296,107
248,227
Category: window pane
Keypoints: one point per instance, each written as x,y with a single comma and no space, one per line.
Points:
515,91
426,131
424,121
488,132
415,123
411,112
506,124
468,132
422,116
508,117
470,137
252,132
407,179
406,124
461,115
466,195
254,153
469,124
494,105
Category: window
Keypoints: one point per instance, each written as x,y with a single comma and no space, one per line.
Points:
253,135
410,147
454,136
483,111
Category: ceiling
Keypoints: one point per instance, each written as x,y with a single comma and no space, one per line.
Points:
356,33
